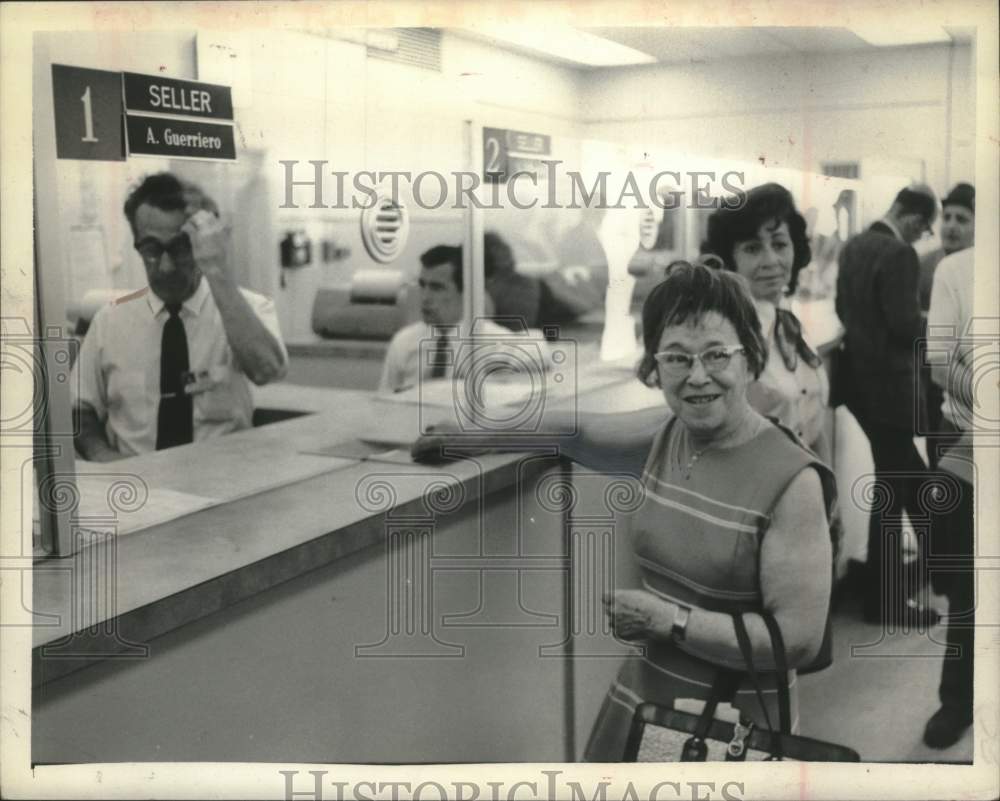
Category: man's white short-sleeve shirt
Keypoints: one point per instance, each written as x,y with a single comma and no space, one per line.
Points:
118,369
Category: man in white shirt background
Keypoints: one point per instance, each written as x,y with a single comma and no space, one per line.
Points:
953,363
441,288
170,363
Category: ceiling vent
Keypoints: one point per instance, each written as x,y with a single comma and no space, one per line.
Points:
417,47
841,169
384,229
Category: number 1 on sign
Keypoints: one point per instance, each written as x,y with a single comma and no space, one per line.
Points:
88,118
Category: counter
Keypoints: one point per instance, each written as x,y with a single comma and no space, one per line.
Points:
335,617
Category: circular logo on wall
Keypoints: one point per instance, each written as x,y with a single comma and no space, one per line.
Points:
384,228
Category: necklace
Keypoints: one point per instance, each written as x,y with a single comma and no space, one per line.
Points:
752,430
693,461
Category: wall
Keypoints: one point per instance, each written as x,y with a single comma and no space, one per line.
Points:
300,96
359,113
892,108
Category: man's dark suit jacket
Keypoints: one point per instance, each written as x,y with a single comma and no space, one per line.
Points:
878,302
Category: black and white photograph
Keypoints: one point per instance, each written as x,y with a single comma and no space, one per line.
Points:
494,401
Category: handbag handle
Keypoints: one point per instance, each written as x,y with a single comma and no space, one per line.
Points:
781,666
723,688
781,675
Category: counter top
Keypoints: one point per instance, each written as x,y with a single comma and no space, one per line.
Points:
278,509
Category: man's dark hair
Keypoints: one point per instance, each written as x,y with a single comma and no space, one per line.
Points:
498,258
167,192
689,292
962,195
766,203
445,254
912,201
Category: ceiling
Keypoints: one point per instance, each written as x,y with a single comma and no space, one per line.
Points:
678,45
708,44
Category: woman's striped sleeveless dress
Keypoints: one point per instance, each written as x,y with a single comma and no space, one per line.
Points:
697,538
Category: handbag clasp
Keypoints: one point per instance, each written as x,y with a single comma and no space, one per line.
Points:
737,746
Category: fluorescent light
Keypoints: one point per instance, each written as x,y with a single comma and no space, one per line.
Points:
380,38
906,34
570,44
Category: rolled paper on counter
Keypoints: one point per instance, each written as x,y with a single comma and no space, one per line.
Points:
377,286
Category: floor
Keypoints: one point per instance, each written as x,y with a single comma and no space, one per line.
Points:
876,697
879,693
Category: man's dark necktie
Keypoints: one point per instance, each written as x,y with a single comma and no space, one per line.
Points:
175,420
440,356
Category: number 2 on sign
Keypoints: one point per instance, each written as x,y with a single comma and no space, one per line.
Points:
88,118
493,148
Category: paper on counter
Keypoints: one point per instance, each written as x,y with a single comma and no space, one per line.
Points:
112,504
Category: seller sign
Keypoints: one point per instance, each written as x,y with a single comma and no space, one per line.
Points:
106,116
160,136
160,129
507,153
158,95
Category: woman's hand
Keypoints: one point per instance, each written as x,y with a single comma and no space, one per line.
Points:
639,615
431,447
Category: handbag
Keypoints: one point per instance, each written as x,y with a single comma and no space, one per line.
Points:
659,734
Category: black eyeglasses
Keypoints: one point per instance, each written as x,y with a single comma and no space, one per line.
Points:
714,360
151,250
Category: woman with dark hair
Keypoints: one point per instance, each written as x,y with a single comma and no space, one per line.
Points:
734,514
765,241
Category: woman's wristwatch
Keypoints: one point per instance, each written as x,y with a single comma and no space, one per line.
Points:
678,631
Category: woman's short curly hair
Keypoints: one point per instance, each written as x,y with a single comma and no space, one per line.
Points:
687,293
764,204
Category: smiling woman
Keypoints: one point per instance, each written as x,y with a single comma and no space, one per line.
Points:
734,517
733,521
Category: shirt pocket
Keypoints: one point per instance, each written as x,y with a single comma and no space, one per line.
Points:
218,402
129,396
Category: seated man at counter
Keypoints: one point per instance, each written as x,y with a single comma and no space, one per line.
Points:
441,287
170,363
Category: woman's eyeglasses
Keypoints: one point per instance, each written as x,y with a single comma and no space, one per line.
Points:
151,250
714,360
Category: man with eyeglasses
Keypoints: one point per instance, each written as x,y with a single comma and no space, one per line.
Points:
878,301
171,363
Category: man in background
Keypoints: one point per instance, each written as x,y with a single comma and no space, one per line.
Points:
952,360
441,308
171,363
878,302
958,231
